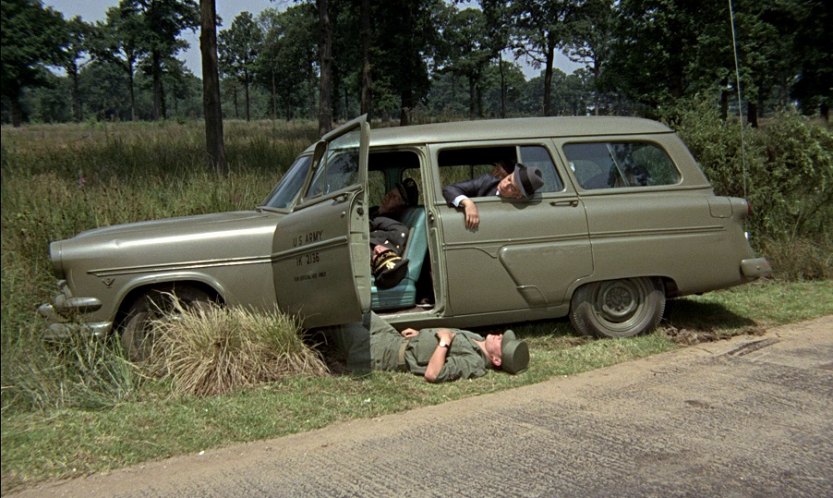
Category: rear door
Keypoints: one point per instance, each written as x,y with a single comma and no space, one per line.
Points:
320,250
524,255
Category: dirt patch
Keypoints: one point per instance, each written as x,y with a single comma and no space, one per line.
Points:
689,337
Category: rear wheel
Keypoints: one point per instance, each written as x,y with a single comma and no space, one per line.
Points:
618,308
137,331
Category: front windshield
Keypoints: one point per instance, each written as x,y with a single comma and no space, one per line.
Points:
290,184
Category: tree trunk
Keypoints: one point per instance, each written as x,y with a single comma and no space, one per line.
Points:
246,93
211,89
17,110
132,83
75,94
503,89
548,79
156,72
752,114
365,38
325,82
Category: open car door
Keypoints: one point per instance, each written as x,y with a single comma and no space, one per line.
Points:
321,249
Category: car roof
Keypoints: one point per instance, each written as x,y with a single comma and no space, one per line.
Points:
512,128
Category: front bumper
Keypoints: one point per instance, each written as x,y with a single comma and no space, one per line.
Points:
755,268
63,312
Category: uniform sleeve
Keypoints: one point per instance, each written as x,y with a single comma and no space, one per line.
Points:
462,365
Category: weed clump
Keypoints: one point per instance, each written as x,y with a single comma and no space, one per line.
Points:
208,349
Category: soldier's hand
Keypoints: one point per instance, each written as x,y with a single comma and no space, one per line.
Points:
445,335
408,333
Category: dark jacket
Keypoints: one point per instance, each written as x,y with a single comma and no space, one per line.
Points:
482,186
389,232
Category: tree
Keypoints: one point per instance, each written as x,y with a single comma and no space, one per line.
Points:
325,64
162,21
77,35
118,41
404,39
212,108
468,52
287,60
813,87
239,47
497,14
541,29
590,39
32,38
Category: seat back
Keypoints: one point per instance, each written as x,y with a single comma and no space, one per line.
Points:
403,294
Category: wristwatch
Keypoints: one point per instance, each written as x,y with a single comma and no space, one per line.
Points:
444,344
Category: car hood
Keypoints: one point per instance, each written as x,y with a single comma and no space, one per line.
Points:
173,242
203,223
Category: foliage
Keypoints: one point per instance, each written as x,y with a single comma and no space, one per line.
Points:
32,38
210,350
784,168
238,49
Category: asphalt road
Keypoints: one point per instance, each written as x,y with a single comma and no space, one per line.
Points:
748,417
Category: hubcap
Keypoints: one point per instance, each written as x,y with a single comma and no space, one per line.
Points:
619,301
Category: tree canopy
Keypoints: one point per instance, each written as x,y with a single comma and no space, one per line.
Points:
415,60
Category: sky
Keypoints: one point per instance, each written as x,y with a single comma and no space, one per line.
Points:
94,10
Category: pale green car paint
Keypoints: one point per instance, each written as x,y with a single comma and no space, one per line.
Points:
606,253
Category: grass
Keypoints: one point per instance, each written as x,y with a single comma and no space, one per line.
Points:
77,407
62,443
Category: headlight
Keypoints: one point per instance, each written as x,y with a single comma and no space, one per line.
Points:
56,257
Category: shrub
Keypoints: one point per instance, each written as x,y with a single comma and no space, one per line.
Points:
209,349
784,168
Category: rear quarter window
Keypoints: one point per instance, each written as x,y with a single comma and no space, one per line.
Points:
606,165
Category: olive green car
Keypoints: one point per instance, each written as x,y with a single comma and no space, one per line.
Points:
625,220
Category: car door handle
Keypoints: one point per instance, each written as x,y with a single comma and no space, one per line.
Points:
569,203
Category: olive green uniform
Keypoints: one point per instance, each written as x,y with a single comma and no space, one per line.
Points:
390,351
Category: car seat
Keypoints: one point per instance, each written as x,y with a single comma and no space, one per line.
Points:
403,294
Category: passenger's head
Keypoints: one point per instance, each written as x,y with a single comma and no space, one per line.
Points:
506,352
409,191
522,183
405,194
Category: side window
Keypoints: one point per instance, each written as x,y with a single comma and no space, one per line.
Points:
603,165
339,166
539,157
457,165
388,168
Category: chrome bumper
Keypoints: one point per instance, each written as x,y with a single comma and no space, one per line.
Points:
64,307
755,268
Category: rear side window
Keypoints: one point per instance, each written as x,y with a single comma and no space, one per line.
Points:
604,165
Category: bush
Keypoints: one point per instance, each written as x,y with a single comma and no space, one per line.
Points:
784,168
208,349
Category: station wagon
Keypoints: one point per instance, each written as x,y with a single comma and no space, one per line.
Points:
626,219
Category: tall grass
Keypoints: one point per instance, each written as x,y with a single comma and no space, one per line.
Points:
209,350
58,180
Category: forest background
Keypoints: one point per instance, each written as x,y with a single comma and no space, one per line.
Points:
420,60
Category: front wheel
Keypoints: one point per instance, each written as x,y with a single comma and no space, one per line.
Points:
137,329
618,308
